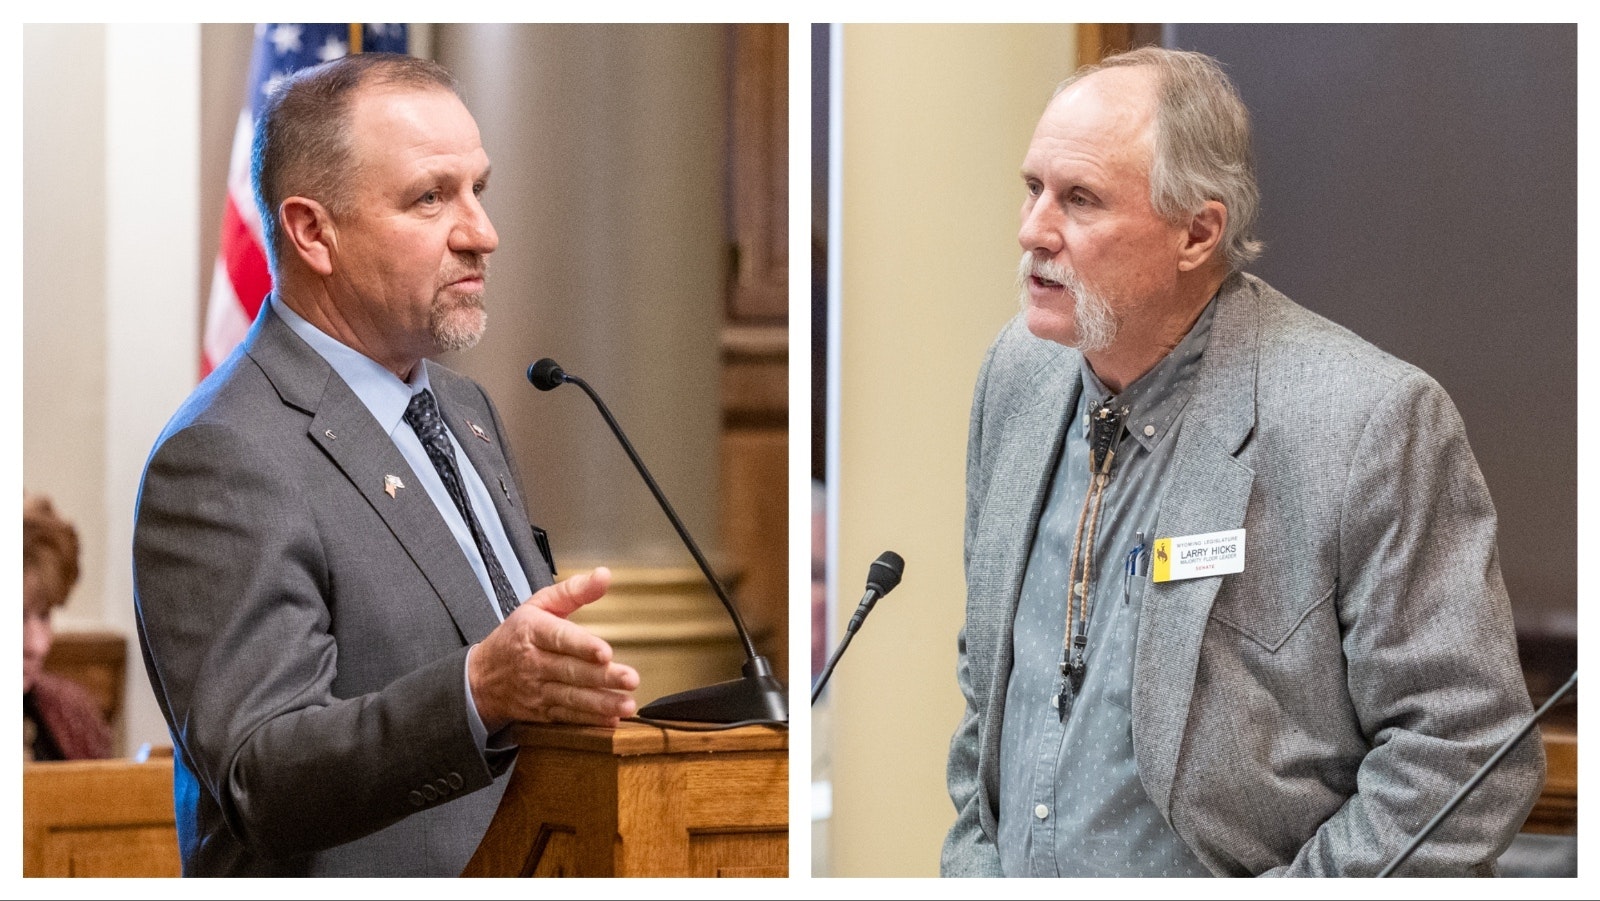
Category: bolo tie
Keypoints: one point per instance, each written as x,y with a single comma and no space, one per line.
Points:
1105,430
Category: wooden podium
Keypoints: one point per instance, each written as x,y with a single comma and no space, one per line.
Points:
640,800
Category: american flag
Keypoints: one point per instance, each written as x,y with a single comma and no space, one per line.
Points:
240,280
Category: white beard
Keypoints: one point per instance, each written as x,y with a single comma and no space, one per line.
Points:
1095,323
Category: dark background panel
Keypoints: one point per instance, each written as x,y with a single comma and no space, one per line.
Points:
1419,186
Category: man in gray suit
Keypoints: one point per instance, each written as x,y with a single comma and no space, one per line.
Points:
331,541
1233,599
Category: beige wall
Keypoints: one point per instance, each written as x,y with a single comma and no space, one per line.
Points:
63,288
935,122
110,232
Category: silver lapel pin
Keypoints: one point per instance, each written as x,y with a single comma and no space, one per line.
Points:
391,484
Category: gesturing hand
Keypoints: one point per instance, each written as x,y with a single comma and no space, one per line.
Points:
538,667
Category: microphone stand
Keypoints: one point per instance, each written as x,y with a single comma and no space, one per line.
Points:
827,670
1478,777
882,578
759,695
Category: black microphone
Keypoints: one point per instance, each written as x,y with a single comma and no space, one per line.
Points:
1478,777
759,695
546,374
882,576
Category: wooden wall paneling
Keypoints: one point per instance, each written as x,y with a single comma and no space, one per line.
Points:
1098,40
755,364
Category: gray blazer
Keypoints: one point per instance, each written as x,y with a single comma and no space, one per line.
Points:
1308,715
306,633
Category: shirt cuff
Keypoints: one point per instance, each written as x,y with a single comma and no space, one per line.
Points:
480,732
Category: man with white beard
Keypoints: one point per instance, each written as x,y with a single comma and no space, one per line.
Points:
1234,605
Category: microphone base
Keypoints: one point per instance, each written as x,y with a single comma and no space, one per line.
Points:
757,696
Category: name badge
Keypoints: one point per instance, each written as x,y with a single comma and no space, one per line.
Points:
1193,556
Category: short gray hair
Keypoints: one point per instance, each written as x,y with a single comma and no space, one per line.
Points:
1201,143
301,144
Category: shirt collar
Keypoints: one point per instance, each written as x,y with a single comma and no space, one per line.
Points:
1156,398
382,392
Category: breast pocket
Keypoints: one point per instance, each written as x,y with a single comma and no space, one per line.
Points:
1122,634
1267,617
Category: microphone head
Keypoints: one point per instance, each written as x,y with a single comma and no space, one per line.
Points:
884,574
546,374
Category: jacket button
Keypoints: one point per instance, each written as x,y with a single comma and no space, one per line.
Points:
431,793
416,799
455,780
442,785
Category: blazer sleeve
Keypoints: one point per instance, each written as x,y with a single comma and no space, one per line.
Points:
232,581
1429,645
968,849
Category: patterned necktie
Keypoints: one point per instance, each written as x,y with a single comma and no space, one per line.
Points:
422,414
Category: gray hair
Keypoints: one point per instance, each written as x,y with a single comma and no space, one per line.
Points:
1200,144
301,146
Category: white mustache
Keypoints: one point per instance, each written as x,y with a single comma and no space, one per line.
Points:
1097,323
1032,266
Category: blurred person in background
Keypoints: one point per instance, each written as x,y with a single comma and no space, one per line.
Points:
60,719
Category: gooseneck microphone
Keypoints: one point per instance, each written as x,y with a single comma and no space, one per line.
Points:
546,374
882,576
759,696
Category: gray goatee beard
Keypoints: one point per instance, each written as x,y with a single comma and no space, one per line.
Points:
460,325
1095,323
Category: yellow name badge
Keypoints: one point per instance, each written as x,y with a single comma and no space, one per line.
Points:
1193,556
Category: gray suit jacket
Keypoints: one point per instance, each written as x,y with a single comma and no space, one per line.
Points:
1308,715
306,633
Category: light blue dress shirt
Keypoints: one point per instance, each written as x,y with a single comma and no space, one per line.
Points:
1071,801
386,398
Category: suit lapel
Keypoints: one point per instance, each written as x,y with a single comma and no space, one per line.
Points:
342,426
1208,491
1022,473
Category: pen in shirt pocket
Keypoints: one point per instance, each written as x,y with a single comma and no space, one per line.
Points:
1136,564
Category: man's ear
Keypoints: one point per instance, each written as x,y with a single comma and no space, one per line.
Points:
1201,239
310,231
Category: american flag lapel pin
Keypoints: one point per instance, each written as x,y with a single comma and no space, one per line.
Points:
391,484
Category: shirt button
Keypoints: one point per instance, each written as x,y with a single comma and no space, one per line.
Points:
1077,589
1149,430
1041,811
1055,702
